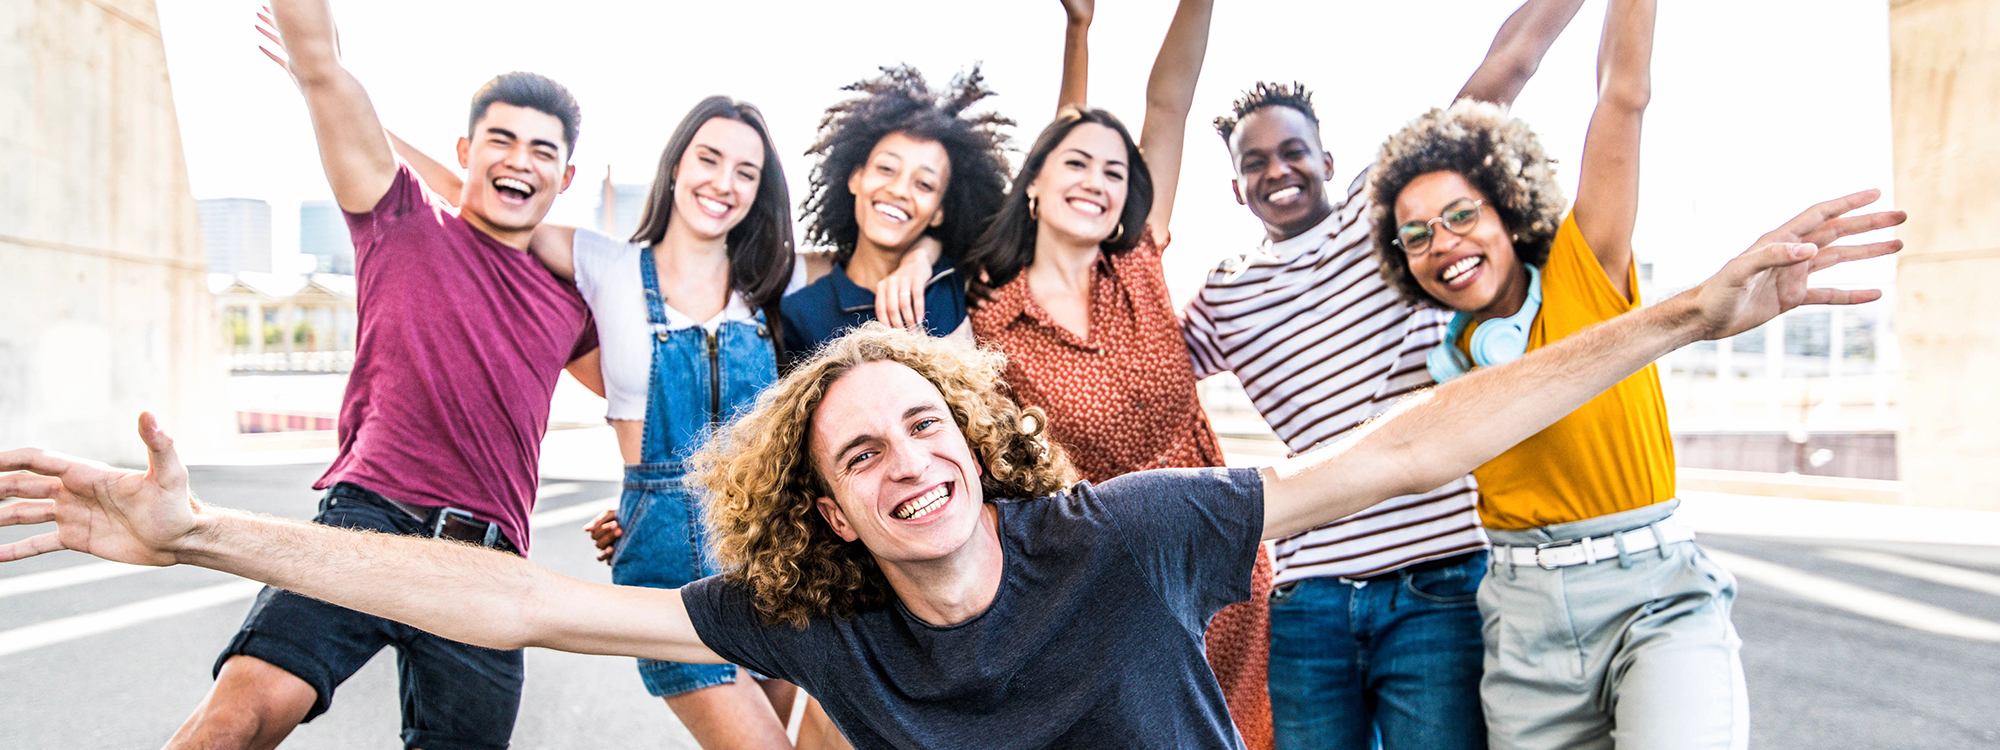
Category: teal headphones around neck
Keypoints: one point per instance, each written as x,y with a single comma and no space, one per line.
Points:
1494,342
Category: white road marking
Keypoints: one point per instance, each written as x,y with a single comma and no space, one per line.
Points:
1859,600
104,621
70,576
1971,580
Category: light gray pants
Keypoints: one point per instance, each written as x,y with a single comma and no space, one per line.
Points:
1627,653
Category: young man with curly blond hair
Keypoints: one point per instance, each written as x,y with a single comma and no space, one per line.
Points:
961,610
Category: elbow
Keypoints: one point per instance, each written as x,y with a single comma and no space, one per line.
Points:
1629,93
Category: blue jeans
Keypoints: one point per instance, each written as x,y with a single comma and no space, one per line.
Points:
664,546
1396,658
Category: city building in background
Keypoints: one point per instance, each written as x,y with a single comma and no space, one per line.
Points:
236,234
619,206
285,323
323,235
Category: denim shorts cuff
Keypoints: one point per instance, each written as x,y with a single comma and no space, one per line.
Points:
295,659
666,679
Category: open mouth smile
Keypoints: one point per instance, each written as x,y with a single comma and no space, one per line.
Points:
1461,269
1087,208
713,207
1283,195
925,504
892,213
513,190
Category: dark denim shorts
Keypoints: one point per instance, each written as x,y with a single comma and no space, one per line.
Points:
453,695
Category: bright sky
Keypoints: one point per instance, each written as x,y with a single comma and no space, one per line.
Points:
1760,107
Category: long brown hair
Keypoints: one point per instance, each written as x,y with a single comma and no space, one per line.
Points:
1009,242
760,247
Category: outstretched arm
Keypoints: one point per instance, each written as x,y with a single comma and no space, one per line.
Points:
470,594
359,165
1169,99
1518,49
1444,433
1075,90
1607,190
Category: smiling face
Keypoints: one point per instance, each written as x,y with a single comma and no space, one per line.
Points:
1281,170
717,178
899,190
1080,190
903,478
515,166
1477,272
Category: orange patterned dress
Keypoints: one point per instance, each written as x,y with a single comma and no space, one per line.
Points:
1122,400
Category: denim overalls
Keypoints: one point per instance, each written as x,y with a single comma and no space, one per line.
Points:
699,381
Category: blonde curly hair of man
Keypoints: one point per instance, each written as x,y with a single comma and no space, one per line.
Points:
1495,152
763,518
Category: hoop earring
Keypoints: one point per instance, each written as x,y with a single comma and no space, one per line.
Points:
1032,212
1116,233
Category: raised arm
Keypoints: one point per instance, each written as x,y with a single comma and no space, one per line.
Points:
469,594
1169,98
1607,190
1075,90
1518,49
1444,433
359,164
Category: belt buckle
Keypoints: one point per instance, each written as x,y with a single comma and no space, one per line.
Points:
445,515
1542,562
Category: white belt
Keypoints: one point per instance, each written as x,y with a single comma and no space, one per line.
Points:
1586,551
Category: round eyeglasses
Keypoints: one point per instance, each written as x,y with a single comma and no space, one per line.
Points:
1458,218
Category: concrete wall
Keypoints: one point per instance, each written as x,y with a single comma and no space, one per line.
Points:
1945,82
106,310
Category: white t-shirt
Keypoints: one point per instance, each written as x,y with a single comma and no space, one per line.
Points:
608,276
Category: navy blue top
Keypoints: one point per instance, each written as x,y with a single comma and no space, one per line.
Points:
819,312
1093,640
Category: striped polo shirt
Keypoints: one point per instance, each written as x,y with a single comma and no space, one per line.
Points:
1321,344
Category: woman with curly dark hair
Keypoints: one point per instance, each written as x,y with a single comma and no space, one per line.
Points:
1605,624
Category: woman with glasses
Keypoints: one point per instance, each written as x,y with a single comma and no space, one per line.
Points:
1604,624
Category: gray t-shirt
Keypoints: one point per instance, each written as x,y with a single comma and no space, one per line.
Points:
1093,641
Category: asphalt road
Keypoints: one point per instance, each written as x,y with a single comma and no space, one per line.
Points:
119,661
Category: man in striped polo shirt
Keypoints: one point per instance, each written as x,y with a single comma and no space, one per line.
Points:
1374,630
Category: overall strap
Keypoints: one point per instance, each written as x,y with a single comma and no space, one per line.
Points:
656,311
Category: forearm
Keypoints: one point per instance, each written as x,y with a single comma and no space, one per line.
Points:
1518,50
1075,88
1448,431
460,592
1625,56
443,180
1169,99
358,160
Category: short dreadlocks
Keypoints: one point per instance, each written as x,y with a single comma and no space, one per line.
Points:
1267,94
899,101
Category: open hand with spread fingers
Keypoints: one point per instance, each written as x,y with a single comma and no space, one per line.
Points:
1771,277
138,517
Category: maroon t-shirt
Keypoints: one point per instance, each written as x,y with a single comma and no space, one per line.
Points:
460,342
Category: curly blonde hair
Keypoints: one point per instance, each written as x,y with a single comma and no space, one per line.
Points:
762,515
1495,152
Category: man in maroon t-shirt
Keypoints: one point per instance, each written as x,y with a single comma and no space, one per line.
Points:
462,337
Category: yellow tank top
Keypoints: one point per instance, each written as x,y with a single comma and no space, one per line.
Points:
1613,453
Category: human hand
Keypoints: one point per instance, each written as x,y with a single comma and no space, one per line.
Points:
1080,11
604,532
899,297
116,514
269,29
1770,278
